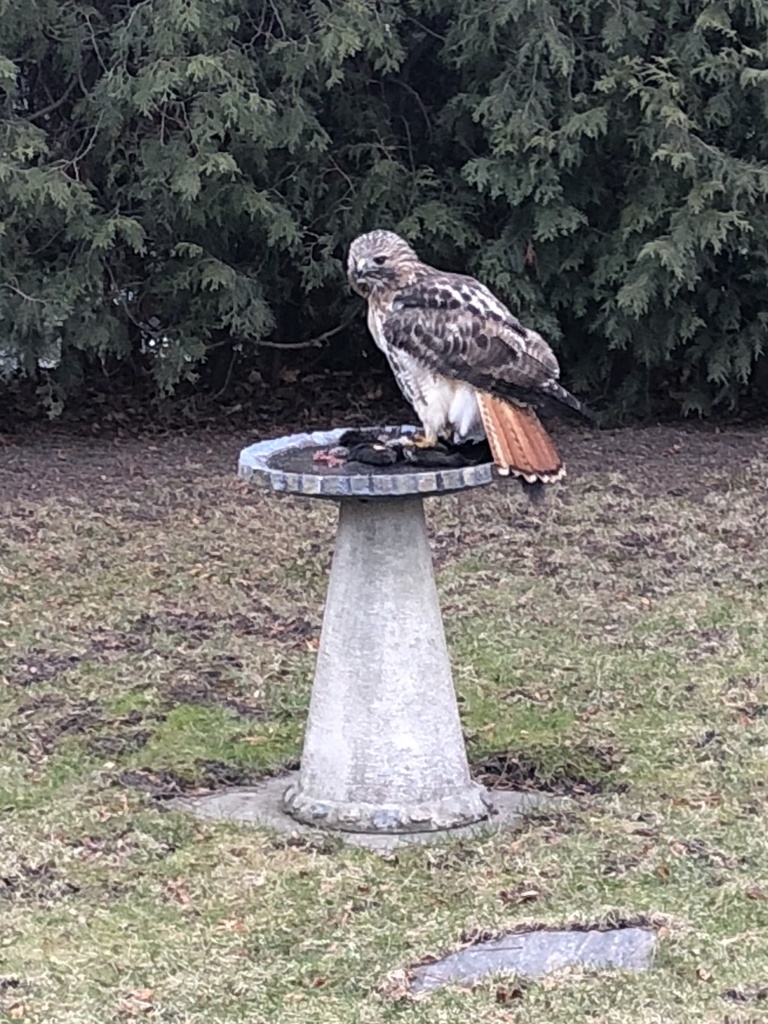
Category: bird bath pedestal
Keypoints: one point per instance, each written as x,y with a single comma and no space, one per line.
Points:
384,755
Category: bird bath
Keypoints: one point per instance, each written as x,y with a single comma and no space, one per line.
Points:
383,759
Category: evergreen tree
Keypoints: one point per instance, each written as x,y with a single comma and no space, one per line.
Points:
181,178
626,145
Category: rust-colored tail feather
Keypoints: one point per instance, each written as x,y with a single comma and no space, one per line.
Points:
519,443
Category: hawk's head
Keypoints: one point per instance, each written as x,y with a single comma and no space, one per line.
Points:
379,259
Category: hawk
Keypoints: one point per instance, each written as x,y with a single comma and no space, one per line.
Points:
463,361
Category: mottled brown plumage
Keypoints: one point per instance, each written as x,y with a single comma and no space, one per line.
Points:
465,363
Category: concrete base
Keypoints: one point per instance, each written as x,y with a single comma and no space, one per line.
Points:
262,805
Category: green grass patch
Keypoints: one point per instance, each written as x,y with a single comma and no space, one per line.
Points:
161,633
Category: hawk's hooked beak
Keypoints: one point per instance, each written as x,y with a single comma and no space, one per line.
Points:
360,268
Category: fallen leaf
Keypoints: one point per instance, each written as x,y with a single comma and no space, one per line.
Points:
176,889
523,894
396,986
232,924
144,995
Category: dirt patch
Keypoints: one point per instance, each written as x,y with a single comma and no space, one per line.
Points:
114,641
754,710
206,692
36,883
681,461
87,470
208,776
449,859
579,771
202,624
119,744
40,666
40,702
689,460
757,993
196,627
80,720
214,682
323,843
42,736
116,734
118,847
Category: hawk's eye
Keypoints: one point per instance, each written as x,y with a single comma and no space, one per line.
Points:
379,260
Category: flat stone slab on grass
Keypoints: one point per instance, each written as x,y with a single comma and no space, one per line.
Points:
261,805
533,954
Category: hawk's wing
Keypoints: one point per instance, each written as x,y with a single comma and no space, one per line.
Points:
459,329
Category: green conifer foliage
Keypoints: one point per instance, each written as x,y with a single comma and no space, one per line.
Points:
181,177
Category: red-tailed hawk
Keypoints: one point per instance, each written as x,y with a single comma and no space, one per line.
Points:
463,361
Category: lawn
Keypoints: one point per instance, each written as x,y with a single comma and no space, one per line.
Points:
158,624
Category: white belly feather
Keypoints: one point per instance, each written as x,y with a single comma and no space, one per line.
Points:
446,408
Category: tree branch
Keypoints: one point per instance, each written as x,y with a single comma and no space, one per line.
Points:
56,103
313,342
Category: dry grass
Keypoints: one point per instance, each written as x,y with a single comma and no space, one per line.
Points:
157,632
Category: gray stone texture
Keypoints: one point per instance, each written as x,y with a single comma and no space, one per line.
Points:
383,750
532,954
264,465
384,755
262,806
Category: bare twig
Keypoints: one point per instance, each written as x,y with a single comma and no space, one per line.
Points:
276,13
419,103
44,111
228,378
135,11
84,150
429,31
313,342
96,50
18,291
